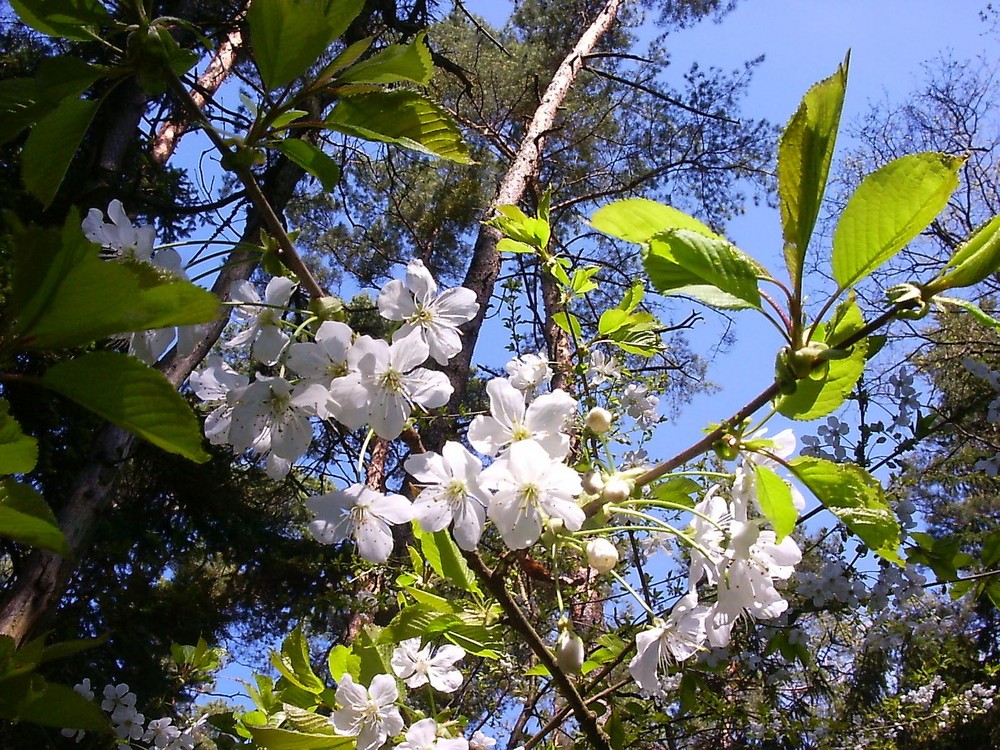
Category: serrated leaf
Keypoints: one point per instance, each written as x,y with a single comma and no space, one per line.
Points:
285,118
124,391
62,18
856,498
271,738
295,657
444,557
26,518
397,63
974,260
775,499
818,396
61,706
18,452
63,295
51,146
507,245
342,661
569,323
681,259
404,118
290,35
890,207
638,219
539,670
24,101
313,159
804,154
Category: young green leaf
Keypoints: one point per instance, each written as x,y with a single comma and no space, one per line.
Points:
62,18
404,118
638,219
25,517
342,661
444,557
272,738
397,63
312,159
680,259
856,498
829,385
123,390
290,35
64,295
804,154
891,207
51,146
775,499
974,260
62,707
18,452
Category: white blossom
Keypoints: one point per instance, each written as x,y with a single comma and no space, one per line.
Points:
530,488
325,358
529,372
602,368
119,238
263,317
433,318
385,384
512,420
451,493
368,713
424,735
362,514
418,666
680,636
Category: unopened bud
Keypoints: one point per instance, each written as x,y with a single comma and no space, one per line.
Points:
328,308
602,555
569,652
598,420
593,482
616,489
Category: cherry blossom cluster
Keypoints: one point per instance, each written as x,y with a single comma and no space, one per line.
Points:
120,240
372,714
732,552
130,726
338,376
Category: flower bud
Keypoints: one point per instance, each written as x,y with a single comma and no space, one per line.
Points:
616,489
602,555
598,420
593,482
569,652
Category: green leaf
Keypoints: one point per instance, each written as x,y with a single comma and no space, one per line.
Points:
569,323
62,706
25,517
518,226
804,154
18,452
445,558
123,390
975,311
312,159
290,35
890,207
638,219
342,661
65,18
24,101
397,63
286,118
293,662
51,146
775,499
818,396
64,295
681,261
632,297
974,260
507,245
856,498
404,118
272,738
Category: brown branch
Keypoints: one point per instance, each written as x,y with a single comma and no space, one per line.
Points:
485,264
208,83
519,622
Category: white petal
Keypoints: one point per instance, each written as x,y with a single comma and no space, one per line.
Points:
395,302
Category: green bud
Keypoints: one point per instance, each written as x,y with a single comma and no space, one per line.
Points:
328,308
